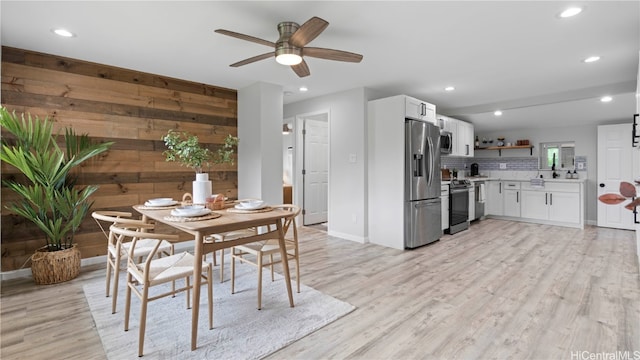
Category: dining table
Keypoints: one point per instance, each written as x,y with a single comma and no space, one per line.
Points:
222,221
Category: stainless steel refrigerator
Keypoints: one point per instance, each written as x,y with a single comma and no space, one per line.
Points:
422,210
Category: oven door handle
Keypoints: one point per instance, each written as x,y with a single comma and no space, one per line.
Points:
458,191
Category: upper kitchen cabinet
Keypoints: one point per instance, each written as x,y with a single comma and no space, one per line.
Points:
465,139
420,110
462,135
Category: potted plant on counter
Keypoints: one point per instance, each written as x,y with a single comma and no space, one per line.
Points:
48,196
186,149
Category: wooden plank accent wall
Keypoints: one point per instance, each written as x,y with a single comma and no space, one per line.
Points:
132,108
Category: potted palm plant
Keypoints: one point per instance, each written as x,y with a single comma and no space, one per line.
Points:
48,196
186,149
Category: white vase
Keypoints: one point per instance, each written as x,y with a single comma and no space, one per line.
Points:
202,188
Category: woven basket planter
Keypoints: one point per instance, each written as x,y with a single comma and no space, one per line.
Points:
52,267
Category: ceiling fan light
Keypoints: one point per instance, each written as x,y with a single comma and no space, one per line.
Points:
289,59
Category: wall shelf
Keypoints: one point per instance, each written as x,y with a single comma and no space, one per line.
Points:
500,148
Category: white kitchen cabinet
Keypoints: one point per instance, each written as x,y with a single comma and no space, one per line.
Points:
512,198
444,197
465,139
556,202
462,136
420,110
495,198
565,207
535,205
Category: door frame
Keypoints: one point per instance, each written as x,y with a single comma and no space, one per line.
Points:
298,161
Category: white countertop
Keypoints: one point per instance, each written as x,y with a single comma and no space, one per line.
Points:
474,179
527,180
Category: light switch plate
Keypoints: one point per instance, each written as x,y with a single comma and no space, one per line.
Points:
353,158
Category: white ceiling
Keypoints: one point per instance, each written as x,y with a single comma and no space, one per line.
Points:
517,56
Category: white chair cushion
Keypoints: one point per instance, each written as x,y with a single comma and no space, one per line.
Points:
269,246
169,268
143,247
232,235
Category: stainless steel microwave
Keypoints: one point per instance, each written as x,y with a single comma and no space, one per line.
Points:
446,142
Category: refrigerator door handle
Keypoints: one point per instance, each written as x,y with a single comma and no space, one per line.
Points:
426,203
431,160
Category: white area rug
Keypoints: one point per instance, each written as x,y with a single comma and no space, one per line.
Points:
241,331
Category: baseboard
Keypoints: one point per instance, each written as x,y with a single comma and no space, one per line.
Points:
26,273
357,239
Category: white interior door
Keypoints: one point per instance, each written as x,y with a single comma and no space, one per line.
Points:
316,171
614,166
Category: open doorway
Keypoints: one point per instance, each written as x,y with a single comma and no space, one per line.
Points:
311,167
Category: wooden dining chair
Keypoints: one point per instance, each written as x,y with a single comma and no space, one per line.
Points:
227,236
270,248
118,250
155,271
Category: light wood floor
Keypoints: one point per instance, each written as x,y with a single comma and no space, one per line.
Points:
498,290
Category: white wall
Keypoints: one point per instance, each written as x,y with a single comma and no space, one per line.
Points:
347,181
260,146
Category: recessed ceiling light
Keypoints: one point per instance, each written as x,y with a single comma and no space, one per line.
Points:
572,11
497,113
63,32
591,59
449,88
303,89
606,98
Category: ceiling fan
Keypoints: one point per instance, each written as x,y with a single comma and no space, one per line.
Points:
290,47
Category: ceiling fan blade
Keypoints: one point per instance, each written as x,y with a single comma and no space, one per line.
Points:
331,54
253,59
301,69
245,37
308,31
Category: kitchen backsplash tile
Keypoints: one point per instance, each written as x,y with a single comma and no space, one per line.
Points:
486,165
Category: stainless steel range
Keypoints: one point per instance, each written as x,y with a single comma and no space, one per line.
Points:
459,205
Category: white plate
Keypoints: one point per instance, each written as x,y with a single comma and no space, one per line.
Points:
188,209
160,203
242,207
195,212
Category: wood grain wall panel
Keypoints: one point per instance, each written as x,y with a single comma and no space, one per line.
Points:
54,83
131,108
18,56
